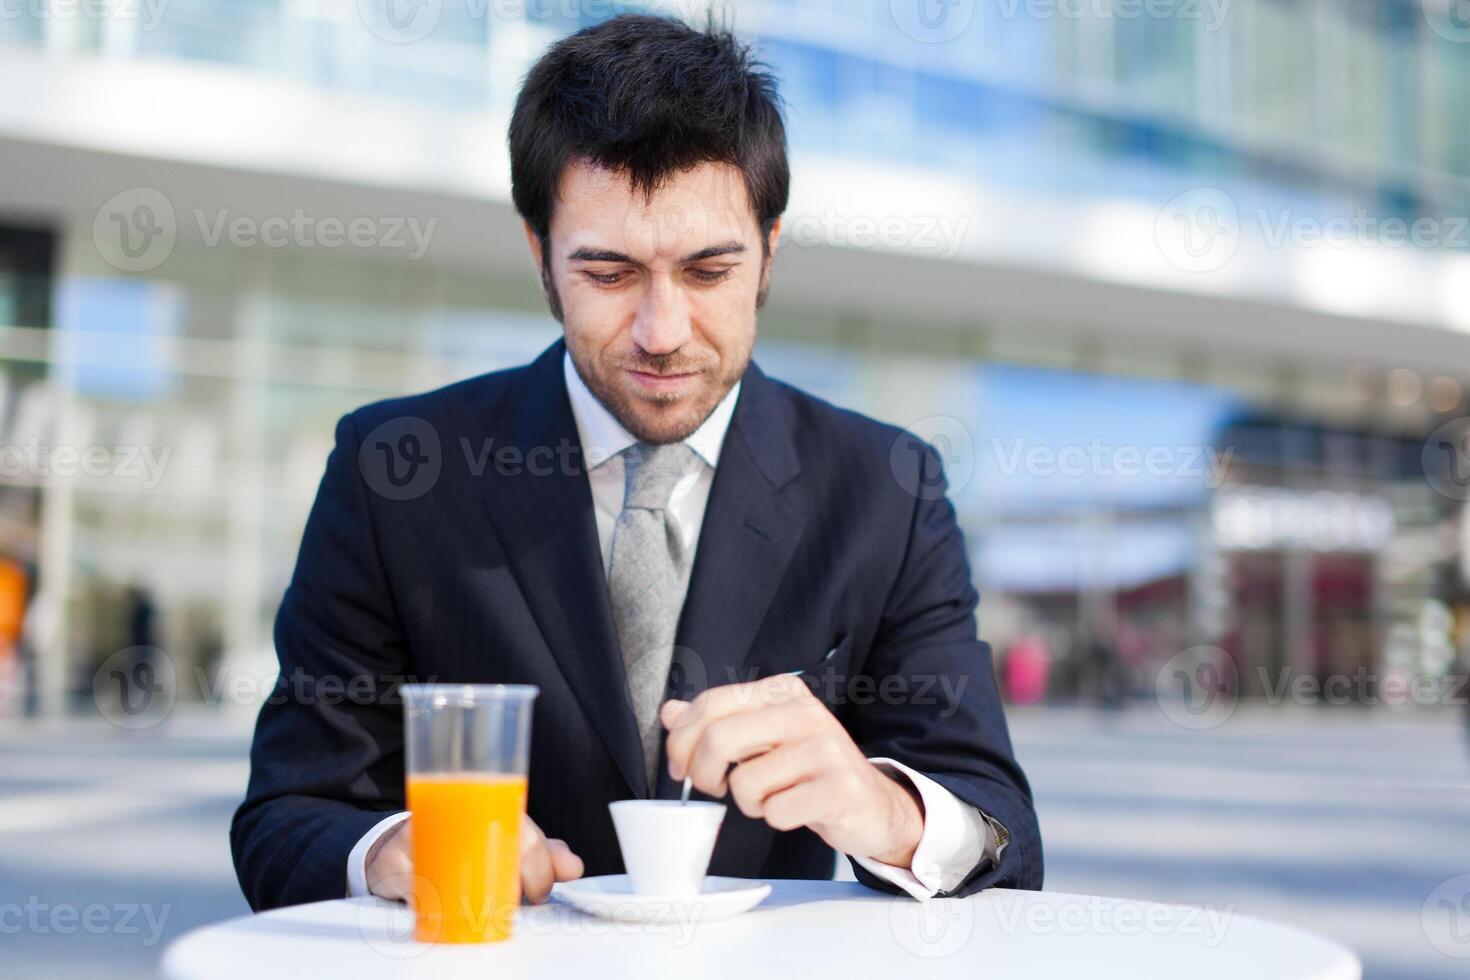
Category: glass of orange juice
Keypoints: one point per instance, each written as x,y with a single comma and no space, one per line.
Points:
467,747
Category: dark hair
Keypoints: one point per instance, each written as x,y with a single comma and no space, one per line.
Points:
647,97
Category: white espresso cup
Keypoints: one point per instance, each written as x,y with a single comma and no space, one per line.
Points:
666,844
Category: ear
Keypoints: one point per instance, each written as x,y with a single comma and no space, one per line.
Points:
775,237
534,241
770,258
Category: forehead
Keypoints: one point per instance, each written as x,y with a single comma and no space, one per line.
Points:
690,210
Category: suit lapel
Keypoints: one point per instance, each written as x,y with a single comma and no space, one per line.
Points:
747,539
545,520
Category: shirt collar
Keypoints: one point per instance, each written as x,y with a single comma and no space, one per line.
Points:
603,437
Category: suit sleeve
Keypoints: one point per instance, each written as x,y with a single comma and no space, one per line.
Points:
327,761
942,715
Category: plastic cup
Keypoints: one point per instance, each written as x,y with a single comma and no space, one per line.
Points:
467,747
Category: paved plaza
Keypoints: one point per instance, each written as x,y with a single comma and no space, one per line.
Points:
1348,822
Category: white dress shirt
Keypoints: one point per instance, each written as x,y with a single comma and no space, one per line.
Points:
955,834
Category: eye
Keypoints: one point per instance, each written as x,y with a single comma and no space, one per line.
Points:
605,278
709,275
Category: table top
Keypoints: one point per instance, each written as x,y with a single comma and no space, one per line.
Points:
803,928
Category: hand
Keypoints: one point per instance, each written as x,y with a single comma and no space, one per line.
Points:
544,861
794,766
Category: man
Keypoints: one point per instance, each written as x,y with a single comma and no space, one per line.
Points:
652,531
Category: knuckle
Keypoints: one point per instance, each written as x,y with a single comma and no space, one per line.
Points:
698,757
707,776
748,807
781,817
827,747
840,745
716,741
744,792
536,881
802,718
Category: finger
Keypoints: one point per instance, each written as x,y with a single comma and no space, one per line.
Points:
736,738
565,864
727,699
751,782
536,871
392,875
671,711
395,880
389,871
808,802
722,702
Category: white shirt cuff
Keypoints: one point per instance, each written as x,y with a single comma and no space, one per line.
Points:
955,838
357,886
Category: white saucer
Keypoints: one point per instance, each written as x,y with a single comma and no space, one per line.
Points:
611,896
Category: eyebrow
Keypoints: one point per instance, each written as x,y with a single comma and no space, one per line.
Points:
585,254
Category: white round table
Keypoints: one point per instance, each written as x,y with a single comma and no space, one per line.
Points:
805,929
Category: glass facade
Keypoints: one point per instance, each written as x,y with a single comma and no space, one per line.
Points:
1329,100
230,366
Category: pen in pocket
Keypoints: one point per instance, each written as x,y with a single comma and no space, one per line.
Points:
802,670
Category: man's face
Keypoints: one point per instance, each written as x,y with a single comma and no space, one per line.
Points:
657,296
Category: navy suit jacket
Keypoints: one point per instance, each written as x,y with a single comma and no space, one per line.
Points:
453,540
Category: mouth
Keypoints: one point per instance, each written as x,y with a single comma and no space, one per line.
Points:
661,382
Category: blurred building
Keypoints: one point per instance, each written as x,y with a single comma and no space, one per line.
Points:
1182,292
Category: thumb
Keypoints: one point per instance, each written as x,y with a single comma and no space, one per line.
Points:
565,863
671,711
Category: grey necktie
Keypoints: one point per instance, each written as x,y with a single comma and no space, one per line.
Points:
647,578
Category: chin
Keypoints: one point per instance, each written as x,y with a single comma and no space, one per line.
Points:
659,424
657,418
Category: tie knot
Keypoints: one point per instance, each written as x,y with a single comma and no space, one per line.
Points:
650,472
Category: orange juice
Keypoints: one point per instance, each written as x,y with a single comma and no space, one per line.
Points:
466,855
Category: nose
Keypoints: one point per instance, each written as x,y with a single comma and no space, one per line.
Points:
661,324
